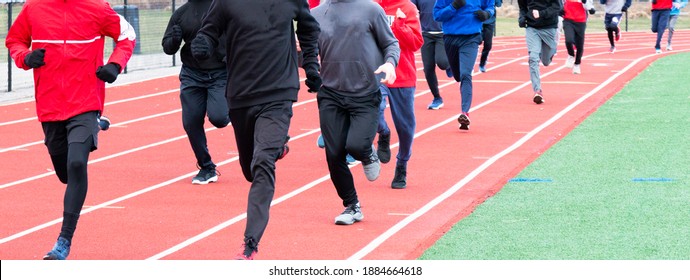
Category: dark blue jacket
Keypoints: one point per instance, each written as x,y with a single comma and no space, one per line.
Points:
426,15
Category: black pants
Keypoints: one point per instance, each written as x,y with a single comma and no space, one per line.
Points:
260,132
202,92
487,41
433,54
574,37
348,125
69,144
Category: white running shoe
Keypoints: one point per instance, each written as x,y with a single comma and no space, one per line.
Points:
576,69
570,61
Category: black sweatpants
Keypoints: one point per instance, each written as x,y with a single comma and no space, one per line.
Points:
69,144
260,132
433,54
202,92
348,125
574,37
487,41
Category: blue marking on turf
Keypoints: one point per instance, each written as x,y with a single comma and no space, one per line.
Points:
653,179
530,180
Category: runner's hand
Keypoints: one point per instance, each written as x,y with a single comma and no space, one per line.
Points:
389,70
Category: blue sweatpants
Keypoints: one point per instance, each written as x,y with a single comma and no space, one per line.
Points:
462,53
402,110
659,24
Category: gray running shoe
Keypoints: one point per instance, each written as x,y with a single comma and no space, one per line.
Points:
350,215
372,165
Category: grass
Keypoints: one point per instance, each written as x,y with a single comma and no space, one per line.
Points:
619,186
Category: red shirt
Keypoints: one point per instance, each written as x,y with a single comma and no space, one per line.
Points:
313,3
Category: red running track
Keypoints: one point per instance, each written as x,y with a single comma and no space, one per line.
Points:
141,204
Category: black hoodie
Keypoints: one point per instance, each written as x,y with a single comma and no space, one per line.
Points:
548,13
188,17
261,47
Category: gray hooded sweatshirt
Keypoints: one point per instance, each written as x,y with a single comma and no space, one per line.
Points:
355,40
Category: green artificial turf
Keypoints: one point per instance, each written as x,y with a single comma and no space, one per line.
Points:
615,188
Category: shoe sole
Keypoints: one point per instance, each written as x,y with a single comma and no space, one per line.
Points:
210,180
538,99
464,122
435,108
347,223
398,187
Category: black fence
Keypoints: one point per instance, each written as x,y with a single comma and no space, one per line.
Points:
148,17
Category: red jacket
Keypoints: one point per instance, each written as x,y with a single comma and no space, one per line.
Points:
313,3
73,34
408,31
662,5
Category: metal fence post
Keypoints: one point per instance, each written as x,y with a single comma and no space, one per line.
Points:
173,11
124,14
9,57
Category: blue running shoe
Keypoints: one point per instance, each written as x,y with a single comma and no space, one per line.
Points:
449,72
350,159
60,250
320,143
436,104
482,68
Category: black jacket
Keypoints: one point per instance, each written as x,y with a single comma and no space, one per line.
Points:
261,47
548,13
188,17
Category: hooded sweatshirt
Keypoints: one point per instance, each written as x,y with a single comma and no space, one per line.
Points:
548,13
409,34
355,40
188,17
261,48
614,7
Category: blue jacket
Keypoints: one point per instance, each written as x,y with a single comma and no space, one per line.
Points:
677,5
462,21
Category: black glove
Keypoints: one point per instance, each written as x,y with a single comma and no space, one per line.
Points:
521,21
624,9
584,1
457,4
482,15
592,11
35,58
561,12
201,47
176,33
108,73
313,81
